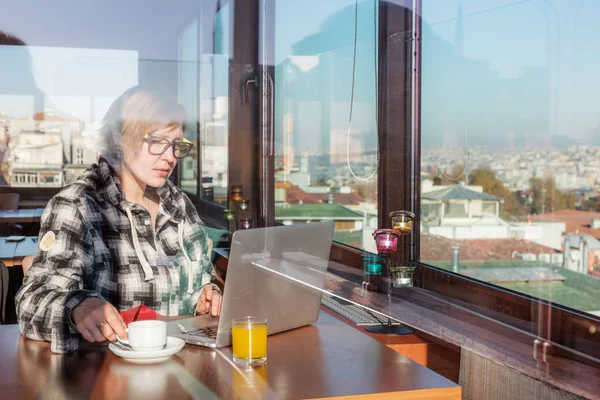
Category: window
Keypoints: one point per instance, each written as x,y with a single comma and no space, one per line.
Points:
79,156
509,135
325,98
56,87
204,90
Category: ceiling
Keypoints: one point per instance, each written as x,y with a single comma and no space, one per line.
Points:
150,27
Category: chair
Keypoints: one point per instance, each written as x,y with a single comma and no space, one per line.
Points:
10,202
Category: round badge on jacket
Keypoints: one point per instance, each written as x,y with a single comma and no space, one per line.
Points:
47,241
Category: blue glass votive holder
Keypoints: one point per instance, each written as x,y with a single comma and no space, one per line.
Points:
373,264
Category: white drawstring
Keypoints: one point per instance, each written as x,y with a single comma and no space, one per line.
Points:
187,258
149,275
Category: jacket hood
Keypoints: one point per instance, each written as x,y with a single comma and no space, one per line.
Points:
103,184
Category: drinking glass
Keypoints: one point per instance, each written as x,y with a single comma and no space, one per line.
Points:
249,339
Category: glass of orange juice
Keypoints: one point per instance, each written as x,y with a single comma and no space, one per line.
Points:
249,339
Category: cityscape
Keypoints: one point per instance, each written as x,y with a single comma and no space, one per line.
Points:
524,218
502,215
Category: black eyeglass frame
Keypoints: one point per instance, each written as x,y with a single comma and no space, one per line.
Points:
169,144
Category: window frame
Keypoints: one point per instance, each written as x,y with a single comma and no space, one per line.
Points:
241,161
251,164
548,321
399,142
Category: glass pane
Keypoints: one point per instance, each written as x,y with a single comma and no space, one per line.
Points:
215,110
56,86
52,98
188,96
325,125
509,136
204,88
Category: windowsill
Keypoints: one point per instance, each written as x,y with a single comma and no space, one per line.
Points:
459,326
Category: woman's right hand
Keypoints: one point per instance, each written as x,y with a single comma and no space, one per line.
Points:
97,320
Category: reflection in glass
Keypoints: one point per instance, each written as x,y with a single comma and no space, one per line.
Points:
204,87
55,87
324,164
509,146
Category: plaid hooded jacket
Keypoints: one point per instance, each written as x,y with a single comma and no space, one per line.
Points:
94,243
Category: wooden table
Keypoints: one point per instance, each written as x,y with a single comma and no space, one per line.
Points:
21,216
327,360
12,253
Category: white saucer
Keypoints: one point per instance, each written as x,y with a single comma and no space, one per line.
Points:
174,345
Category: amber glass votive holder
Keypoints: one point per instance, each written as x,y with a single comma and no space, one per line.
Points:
237,194
402,221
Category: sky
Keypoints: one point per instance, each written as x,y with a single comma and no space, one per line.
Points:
545,49
492,68
556,38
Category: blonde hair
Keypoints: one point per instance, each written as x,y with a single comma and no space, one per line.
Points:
133,115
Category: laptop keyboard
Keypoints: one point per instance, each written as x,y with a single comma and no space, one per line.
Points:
206,332
354,313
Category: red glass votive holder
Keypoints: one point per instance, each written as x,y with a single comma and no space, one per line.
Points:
386,240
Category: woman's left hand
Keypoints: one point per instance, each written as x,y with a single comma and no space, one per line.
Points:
209,302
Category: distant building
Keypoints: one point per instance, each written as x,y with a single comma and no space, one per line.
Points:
4,139
37,159
456,206
575,221
582,253
460,212
47,150
82,157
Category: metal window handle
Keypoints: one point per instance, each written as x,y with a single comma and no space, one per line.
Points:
249,81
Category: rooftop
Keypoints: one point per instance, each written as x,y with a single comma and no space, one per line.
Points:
344,198
440,248
315,212
295,195
458,192
575,221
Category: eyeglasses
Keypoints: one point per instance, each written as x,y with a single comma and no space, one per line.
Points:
158,145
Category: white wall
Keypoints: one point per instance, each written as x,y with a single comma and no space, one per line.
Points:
549,235
546,233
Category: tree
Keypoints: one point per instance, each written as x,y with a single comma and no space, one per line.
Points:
486,178
593,204
546,197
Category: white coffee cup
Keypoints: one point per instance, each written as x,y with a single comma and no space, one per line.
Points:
148,335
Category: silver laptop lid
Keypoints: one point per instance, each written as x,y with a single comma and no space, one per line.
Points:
276,273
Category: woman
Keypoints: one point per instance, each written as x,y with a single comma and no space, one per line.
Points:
121,236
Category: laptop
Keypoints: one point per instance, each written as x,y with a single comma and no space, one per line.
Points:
276,273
